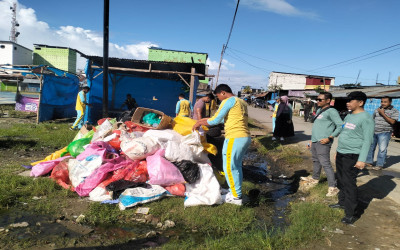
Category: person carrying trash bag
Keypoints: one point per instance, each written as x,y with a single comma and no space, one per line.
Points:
80,108
233,113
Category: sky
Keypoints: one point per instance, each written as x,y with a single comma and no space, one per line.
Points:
294,36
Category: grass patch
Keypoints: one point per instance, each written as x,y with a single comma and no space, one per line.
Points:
291,154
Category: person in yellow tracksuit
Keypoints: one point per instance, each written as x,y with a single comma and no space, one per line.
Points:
233,113
80,108
183,107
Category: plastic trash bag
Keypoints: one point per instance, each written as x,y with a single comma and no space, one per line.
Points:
151,119
177,189
79,170
131,126
135,171
161,171
53,156
117,187
139,148
163,136
102,130
100,174
189,170
60,175
96,148
45,167
134,196
75,148
205,191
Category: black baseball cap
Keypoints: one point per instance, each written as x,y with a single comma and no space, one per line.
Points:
357,95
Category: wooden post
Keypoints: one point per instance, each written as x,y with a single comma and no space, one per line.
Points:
191,91
40,95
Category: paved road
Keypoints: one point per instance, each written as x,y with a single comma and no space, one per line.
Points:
390,186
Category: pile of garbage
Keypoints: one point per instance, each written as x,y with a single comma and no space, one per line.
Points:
130,164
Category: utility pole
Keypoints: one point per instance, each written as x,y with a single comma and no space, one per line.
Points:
14,24
389,79
358,76
220,62
377,75
105,56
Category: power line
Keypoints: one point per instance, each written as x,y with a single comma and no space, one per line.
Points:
348,60
227,41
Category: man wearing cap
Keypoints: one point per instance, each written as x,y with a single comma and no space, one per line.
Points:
384,117
327,125
233,113
353,146
80,107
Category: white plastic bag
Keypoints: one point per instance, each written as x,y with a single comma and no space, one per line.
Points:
206,191
79,170
139,195
189,148
102,131
139,148
163,136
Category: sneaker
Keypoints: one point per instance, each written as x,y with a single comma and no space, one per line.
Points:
368,166
273,138
282,139
377,168
332,191
229,198
71,128
337,205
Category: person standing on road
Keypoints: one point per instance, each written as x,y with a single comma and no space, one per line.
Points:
308,105
199,109
283,124
278,100
384,117
183,107
353,146
80,108
233,113
327,125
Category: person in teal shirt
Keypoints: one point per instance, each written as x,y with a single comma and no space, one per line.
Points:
327,125
353,146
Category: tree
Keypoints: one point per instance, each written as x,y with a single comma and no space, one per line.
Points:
274,87
246,90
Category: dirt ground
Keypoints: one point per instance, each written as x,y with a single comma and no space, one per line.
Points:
378,227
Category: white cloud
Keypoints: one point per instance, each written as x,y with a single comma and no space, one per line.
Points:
277,6
213,65
34,31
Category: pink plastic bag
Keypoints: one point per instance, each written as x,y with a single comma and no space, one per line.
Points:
161,171
45,167
100,174
95,148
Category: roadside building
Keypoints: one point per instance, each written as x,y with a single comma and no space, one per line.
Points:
63,58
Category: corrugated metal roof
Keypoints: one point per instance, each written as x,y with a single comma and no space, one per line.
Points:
155,65
371,92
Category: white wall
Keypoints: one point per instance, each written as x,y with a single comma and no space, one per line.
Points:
22,56
6,54
288,81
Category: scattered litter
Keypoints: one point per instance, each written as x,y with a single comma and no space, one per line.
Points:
36,198
143,210
168,224
80,218
21,224
282,176
338,231
151,234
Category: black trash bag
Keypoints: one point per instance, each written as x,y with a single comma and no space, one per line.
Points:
189,170
117,187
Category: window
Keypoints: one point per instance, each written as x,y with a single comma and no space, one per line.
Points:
2,46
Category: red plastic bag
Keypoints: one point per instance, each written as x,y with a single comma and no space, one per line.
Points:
139,174
61,175
177,189
116,143
99,122
135,127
